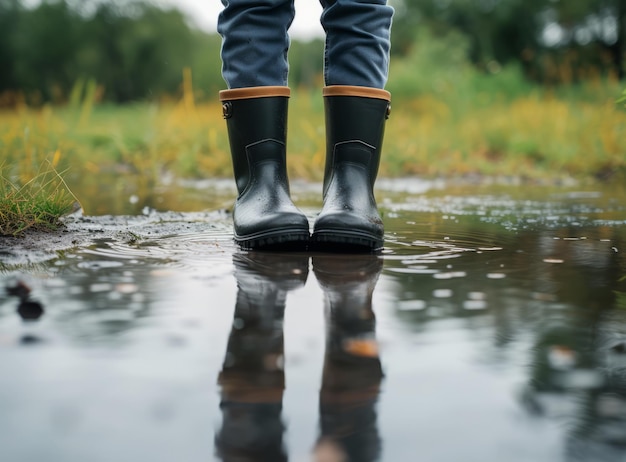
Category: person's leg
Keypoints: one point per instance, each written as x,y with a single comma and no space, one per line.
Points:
254,65
255,42
357,42
355,73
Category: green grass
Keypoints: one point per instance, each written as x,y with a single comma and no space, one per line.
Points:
446,121
37,205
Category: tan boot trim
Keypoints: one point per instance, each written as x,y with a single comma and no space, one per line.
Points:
254,92
349,395
250,394
349,90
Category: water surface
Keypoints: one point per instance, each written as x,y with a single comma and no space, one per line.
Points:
492,327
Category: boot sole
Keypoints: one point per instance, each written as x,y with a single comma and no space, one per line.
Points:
275,240
345,242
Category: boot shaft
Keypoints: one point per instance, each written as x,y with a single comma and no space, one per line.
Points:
253,117
355,125
264,216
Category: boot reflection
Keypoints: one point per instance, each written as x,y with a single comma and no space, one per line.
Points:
352,370
252,378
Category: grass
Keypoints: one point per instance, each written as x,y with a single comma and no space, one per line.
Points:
492,125
536,136
36,205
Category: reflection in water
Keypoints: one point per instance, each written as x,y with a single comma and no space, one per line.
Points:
577,372
252,376
352,370
252,379
28,309
559,296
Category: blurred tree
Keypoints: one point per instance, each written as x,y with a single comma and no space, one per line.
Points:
136,50
133,49
502,31
306,62
206,65
9,14
599,24
44,42
138,56
498,28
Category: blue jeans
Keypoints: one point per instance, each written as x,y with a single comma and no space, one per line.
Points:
255,42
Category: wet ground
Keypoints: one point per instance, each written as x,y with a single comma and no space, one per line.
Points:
491,328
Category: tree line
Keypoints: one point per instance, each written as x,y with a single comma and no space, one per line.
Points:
582,37
137,51
133,50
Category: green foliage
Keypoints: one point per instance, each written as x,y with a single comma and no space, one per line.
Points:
622,99
439,66
512,31
8,24
474,124
495,29
38,204
135,57
133,50
44,41
205,65
306,60
434,66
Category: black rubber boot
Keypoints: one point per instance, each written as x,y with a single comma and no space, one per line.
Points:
264,215
355,121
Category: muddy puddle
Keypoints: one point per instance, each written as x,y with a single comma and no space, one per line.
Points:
491,328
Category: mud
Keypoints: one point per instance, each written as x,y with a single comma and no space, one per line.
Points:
80,231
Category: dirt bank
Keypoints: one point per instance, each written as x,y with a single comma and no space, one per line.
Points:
83,231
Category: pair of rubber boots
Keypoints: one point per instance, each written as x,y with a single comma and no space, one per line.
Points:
264,215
